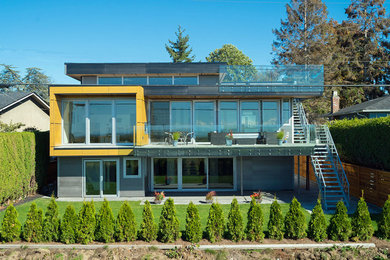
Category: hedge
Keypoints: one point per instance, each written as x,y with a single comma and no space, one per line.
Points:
364,142
23,165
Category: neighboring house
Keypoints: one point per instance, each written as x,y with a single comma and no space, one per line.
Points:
113,133
379,107
26,108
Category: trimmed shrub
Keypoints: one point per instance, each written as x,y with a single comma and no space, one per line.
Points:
125,226
317,224
69,226
32,228
295,222
215,223
193,232
168,229
275,223
51,223
105,224
148,229
340,226
254,226
362,228
10,227
384,222
234,226
87,223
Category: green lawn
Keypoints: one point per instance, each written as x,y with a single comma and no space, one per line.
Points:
180,209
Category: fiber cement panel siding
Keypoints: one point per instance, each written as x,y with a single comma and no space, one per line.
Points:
70,177
132,187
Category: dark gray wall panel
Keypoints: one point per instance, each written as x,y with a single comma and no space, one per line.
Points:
130,187
69,177
208,80
89,80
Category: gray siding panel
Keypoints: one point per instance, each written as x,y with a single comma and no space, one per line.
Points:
208,80
89,80
70,177
131,187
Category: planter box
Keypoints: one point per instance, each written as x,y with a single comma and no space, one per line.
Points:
217,138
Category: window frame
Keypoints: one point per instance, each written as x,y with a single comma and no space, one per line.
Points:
125,176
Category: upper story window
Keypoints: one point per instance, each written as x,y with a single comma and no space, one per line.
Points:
135,81
110,81
185,80
160,81
148,80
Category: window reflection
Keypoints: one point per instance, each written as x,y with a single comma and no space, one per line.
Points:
74,121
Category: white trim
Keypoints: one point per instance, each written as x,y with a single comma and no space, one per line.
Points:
124,167
26,97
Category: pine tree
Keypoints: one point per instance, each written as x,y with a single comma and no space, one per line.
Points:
37,82
234,226
105,224
69,226
148,230
295,222
51,222
168,229
215,223
384,222
10,227
193,232
275,223
180,50
125,226
32,228
362,227
317,224
87,223
340,226
254,226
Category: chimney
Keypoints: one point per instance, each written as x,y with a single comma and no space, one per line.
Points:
335,102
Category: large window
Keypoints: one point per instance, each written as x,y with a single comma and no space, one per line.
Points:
100,121
286,111
149,80
270,116
125,115
228,117
221,173
135,81
160,80
110,81
181,116
204,120
186,80
74,113
159,120
250,117
101,177
165,173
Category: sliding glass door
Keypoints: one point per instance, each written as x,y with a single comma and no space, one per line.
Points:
101,177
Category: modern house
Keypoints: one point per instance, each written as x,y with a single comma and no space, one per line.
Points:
113,134
26,108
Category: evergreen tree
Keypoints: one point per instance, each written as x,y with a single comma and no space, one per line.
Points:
37,82
125,226
362,227
32,228
235,228
87,223
51,222
275,223
254,226
317,224
193,232
105,224
168,229
180,50
148,230
340,226
69,226
10,227
295,222
384,222
215,223
9,75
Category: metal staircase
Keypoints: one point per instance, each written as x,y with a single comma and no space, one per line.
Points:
300,122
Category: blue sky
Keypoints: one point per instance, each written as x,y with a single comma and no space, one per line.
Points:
46,34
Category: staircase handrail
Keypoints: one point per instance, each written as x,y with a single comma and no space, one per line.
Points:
304,122
316,168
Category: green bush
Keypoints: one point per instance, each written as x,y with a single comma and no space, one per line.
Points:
295,222
234,226
215,227
168,229
317,224
384,222
51,223
340,226
275,223
32,228
362,228
125,226
148,229
363,141
10,227
254,226
105,224
69,226
87,223
193,232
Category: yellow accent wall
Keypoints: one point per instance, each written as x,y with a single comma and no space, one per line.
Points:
57,93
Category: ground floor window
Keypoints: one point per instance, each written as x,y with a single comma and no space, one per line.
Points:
101,177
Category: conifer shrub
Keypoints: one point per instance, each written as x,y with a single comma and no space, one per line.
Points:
32,228
148,229
193,232
234,226
105,224
254,226
215,227
10,227
362,228
275,223
317,224
69,226
384,221
87,223
125,226
168,229
295,222
340,226
51,223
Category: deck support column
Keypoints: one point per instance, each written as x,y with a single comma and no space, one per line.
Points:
307,173
242,178
299,173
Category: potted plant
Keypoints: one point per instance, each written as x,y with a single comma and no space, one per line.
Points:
210,196
158,197
280,136
229,138
175,137
257,196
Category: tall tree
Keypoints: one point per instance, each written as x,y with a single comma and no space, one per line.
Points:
229,54
37,82
180,50
9,75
